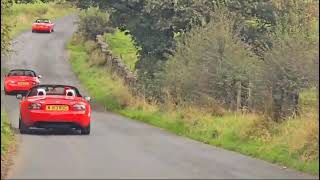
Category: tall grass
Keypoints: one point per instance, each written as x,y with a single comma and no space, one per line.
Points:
293,143
22,15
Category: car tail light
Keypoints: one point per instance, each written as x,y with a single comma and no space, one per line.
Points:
79,107
12,82
34,106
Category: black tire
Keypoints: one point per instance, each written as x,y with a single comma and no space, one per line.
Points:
52,30
33,31
86,130
22,127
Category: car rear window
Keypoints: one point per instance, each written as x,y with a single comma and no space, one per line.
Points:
22,73
42,21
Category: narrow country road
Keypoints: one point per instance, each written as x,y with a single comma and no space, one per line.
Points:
117,147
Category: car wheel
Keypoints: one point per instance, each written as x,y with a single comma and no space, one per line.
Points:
22,127
86,130
33,31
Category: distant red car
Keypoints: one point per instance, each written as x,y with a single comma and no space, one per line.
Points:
54,106
20,81
43,25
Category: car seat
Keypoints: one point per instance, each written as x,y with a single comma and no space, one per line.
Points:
70,92
41,92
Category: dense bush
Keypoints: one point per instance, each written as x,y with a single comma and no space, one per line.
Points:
212,64
290,66
5,26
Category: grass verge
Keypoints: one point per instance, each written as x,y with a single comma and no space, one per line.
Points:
294,143
23,15
8,144
7,135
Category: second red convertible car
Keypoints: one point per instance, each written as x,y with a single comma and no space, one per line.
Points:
20,81
43,25
54,106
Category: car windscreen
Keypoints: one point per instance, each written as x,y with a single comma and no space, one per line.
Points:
22,73
53,90
42,21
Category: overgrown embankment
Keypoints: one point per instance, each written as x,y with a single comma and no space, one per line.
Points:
292,143
7,143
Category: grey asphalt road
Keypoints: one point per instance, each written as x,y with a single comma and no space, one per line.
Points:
117,147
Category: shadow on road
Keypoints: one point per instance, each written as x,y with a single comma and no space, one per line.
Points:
40,32
49,132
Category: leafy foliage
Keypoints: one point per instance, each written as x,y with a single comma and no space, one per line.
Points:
153,24
5,26
208,64
93,22
121,45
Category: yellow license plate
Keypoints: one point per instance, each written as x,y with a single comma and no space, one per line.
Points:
23,83
57,108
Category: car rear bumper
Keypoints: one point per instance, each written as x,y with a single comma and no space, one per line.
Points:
41,29
41,117
15,89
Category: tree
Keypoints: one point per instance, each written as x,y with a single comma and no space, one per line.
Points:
153,24
290,66
291,63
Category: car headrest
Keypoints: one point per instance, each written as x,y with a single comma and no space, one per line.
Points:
41,92
70,92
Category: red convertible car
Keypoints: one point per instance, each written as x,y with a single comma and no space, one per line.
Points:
20,81
54,106
43,25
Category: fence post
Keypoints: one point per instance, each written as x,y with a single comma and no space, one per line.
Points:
238,85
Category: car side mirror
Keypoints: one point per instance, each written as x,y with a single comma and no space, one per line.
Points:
19,96
39,76
87,98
